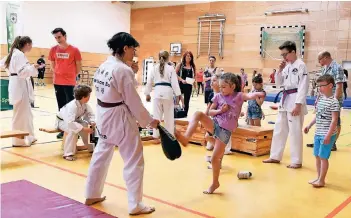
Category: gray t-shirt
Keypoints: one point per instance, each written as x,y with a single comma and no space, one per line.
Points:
325,107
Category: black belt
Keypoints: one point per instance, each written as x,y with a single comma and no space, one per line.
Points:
105,104
285,93
163,84
59,118
13,74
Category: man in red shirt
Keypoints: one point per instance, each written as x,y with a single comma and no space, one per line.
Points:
272,76
65,64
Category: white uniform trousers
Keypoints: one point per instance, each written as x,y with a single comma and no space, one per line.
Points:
70,143
131,151
163,108
285,125
23,120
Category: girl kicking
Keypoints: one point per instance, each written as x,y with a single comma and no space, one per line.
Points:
225,112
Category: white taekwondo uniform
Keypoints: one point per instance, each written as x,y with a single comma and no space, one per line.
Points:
295,80
21,95
116,123
71,119
165,89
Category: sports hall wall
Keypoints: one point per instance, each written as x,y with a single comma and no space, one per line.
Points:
327,27
88,25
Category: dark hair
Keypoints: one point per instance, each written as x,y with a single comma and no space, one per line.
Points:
257,79
232,79
325,54
42,56
81,91
346,73
211,56
59,30
326,78
192,64
163,57
288,45
19,43
119,40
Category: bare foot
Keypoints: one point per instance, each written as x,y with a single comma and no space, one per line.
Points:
156,141
318,184
294,166
211,189
312,181
145,210
181,138
270,160
91,201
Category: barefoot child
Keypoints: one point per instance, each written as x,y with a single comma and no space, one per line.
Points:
225,110
326,122
73,119
254,110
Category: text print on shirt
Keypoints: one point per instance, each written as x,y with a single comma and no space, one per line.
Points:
100,85
62,55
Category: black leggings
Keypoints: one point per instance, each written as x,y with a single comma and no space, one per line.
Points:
186,90
345,87
64,94
200,84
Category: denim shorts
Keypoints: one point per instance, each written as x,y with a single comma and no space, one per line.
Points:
321,150
222,134
254,113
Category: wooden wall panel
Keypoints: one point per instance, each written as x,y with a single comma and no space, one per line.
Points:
327,27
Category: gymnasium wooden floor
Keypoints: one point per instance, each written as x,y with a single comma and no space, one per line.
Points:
175,187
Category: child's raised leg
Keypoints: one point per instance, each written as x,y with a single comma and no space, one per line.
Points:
324,165
217,156
201,117
318,166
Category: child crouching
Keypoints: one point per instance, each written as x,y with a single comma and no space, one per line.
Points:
74,119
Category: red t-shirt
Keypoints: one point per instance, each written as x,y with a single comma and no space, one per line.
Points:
272,78
65,64
200,76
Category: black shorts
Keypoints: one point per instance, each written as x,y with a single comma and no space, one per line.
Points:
41,74
207,95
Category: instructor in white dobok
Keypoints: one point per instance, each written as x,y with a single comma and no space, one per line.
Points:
118,110
294,77
166,83
20,88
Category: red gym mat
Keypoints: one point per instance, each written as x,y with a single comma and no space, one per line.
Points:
22,198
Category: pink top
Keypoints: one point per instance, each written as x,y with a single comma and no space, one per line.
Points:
229,119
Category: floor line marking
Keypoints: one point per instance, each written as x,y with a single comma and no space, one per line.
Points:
339,208
113,185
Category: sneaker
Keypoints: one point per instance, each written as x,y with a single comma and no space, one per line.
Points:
334,148
60,135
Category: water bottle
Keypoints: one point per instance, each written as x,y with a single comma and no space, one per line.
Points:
244,174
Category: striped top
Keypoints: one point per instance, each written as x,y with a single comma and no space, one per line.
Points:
325,107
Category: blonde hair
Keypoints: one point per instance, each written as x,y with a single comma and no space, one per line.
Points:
163,57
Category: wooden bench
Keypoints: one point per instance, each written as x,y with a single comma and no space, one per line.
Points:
254,140
13,133
199,135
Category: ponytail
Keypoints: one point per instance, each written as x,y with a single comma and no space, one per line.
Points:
19,43
163,57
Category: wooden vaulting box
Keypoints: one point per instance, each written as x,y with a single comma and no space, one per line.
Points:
199,135
255,140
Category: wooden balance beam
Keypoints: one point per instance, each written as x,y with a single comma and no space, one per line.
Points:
13,133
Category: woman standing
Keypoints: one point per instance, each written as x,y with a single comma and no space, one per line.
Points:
165,79
20,88
118,111
186,69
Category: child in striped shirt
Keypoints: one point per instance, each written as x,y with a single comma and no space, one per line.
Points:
326,121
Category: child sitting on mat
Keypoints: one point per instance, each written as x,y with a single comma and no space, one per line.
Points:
74,119
326,121
225,111
254,110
